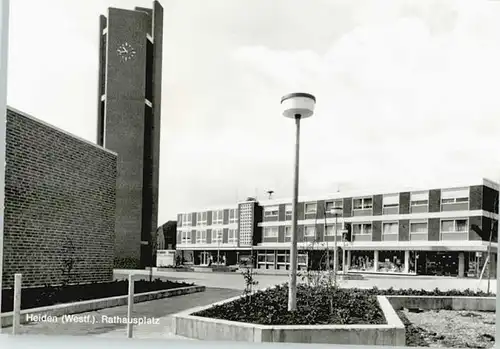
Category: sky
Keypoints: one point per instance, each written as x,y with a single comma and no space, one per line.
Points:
407,91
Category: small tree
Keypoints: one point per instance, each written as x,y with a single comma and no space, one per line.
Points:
323,277
250,282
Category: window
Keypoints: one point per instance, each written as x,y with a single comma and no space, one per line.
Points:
217,236
186,237
362,203
454,226
271,211
330,205
288,212
310,231
455,199
288,231
390,200
201,236
217,217
271,232
390,228
419,201
418,227
233,216
201,218
233,236
330,229
362,229
186,219
310,208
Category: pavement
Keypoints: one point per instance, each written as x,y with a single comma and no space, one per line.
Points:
235,280
220,286
157,312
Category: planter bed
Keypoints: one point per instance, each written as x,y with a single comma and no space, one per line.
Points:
37,297
269,307
360,316
357,318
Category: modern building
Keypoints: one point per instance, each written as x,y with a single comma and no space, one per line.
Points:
437,231
59,205
166,236
129,109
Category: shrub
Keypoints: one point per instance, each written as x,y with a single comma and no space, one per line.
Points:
126,263
436,292
50,295
269,307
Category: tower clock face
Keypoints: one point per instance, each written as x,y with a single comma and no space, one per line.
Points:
126,52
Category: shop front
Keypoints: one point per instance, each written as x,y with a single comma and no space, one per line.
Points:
383,261
280,259
470,264
433,263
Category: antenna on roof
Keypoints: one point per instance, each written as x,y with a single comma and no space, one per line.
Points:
270,192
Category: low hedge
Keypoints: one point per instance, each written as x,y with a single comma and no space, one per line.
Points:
435,292
269,307
50,295
126,263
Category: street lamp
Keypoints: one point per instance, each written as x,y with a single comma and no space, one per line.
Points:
336,211
219,238
296,106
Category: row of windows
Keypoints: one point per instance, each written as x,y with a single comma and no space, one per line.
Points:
272,232
451,199
216,236
311,207
388,228
202,217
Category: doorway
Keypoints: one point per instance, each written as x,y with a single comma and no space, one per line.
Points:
204,258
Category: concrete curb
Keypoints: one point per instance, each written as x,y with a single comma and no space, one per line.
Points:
196,327
443,302
96,304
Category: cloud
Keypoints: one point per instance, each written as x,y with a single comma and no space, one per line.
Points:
407,91
396,100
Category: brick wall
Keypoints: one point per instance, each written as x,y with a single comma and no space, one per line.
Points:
59,204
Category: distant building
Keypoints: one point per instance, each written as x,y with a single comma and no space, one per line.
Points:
60,194
167,236
436,231
129,109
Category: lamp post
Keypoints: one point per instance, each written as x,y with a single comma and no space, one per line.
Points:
326,242
219,237
296,106
336,212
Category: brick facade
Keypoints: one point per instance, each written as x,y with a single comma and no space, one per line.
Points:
60,195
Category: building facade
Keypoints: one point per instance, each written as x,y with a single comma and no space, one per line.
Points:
59,205
129,109
444,231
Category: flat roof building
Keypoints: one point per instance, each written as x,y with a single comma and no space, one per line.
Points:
438,231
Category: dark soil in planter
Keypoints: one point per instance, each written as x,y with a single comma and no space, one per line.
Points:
269,307
50,295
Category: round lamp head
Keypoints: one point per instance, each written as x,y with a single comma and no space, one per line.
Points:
298,105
